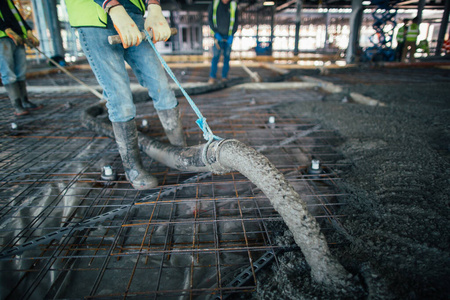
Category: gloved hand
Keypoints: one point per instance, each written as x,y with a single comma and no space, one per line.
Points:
32,39
218,36
157,23
17,39
230,40
126,28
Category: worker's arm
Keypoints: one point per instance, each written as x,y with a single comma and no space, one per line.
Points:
156,22
6,24
236,21
18,40
217,35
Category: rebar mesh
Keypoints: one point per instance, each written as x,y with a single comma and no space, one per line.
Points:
188,238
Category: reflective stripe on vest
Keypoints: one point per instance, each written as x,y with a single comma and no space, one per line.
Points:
412,33
87,13
233,6
18,18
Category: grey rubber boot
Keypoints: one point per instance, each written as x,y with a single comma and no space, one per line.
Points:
171,122
13,90
24,97
127,141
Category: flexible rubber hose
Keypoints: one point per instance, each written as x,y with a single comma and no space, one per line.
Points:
228,155
288,203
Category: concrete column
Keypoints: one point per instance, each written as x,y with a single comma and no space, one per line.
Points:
174,25
355,27
298,19
272,25
443,28
327,23
257,28
420,7
48,28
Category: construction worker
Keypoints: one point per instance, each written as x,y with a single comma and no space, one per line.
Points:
412,32
14,32
223,20
95,20
401,40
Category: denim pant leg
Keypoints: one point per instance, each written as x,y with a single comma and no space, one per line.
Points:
12,61
215,61
150,72
20,59
108,64
226,59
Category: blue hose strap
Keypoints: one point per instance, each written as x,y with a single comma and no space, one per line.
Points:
201,122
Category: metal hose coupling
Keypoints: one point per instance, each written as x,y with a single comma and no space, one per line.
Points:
211,156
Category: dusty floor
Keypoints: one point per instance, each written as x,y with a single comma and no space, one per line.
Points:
398,185
395,171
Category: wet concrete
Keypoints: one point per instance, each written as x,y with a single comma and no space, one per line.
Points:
397,185
395,169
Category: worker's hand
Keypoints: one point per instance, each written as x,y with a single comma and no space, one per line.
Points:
230,40
125,26
18,40
218,36
32,39
157,23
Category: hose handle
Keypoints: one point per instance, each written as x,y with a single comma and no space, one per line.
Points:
115,39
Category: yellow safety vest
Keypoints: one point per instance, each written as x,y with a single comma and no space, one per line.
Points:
87,13
401,34
233,6
412,33
18,18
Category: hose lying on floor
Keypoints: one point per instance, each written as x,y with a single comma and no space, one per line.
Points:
228,155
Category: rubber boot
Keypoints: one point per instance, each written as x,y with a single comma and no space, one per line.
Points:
171,122
24,97
127,141
13,90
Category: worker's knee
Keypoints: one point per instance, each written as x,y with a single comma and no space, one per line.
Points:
121,113
9,78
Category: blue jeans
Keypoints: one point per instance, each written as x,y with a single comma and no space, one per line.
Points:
108,64
226,49
13,61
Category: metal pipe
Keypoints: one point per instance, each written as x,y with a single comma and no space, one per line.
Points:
227,155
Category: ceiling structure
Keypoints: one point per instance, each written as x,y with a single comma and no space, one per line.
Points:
202,5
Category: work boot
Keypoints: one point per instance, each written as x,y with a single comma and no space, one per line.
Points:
13,90
171,122
24,97
127,141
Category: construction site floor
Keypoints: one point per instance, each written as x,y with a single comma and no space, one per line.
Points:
381,134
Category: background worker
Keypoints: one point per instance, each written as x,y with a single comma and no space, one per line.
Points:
14,32
126,18
401,33
412,32
223,20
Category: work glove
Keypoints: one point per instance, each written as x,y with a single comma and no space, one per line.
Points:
125,26
230,40
17,39
218,36
157,23
32,39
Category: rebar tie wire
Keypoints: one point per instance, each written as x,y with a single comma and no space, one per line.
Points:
208,135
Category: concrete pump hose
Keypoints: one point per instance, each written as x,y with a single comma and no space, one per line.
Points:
228,155
258,169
